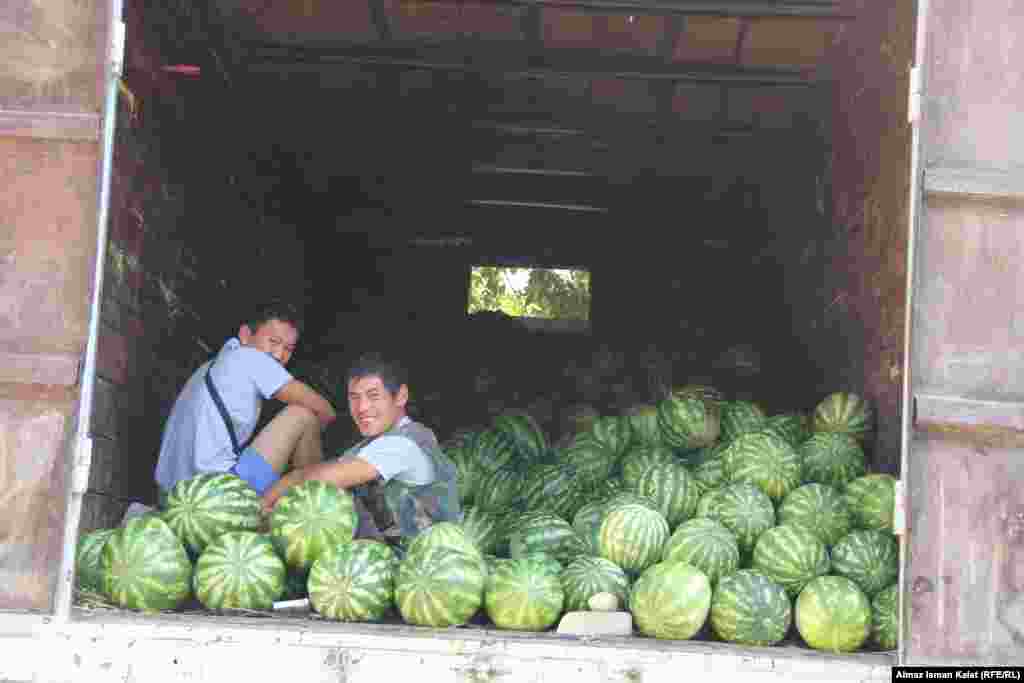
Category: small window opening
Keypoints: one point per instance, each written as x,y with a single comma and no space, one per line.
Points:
554,299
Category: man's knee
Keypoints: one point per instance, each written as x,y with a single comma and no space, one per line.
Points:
301,414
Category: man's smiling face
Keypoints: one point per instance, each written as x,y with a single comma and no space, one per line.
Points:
374,409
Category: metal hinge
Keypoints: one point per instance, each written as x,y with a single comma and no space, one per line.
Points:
81,464
914,101
899,512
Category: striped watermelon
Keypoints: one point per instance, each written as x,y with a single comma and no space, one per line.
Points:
552,488
607,488
310,518
868,557
670,600
614,432
486,530
765,460
633,537
545,533
706,545
207,505
846,413
501,489
741,417
833,614
885,627
585,577
793,427
529,438
688,422
704,392
643,422
638,458
820,508
495,449
587,521
354,582
872,500
709,474
592,459
546,563
673,490
88,556
748,608
446,536
743,509
239,570
467,472
439,587
791,556
832,458
628,498
521,595
145,566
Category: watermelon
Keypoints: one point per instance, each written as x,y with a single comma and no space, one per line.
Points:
846,413
832,458
207,505
587,521
820,508
749,608
145,566
485,530
833,614
440,587
526,434
585,577
638,458
310,518
88,556
793,427
871,500
708,475
628,498
707,502
354,581
633,537
467,472
643,423
706,545
765,460
704,392
868,557
673,490
592,460
688,422
745,510
741,417
495,449
885,626
545,533
607,488
239,570
446,536
546,563
670,600
791,556
614,432
554,489
501,489
521,595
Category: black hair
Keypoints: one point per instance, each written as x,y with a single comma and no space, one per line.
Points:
392,374
276,310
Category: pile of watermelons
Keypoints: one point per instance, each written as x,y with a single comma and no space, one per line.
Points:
704,517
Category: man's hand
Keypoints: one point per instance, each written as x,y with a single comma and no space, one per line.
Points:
346,473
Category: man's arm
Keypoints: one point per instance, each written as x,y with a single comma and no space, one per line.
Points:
345,473
297,392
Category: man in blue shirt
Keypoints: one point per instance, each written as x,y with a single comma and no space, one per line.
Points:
201,436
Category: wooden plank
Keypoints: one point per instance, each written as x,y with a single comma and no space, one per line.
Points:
50,125
975,183
39,368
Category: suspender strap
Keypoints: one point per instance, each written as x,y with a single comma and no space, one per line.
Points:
236,449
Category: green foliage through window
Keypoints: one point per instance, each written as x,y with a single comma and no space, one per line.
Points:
556,294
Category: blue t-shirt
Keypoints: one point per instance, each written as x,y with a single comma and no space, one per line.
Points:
195,438
399,457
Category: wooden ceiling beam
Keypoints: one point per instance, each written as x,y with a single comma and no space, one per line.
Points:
825,9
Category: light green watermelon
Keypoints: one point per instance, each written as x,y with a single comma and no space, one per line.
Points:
885,627
444,535
765,460
545,533
820,508
585,577
868,557
833,614
145,566
871,500
832,458
706,545
741,417
745,510
844,412
486,530
207,505
310,518
638,458
521,595
670,600
688,422
792,426
673,490
791,556
88,555
440,587
354,582
633,537
748,608
239,570
709,474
